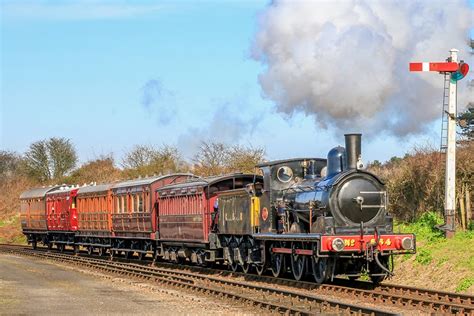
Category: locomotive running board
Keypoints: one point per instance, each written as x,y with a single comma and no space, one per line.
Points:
287,237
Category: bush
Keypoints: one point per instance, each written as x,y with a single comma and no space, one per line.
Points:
415,183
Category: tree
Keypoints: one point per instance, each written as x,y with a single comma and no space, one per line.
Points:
145,160
10,163
50,159
214,158
466,122
100,170
244,159
211,159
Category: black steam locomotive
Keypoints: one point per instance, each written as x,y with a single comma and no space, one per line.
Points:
322,217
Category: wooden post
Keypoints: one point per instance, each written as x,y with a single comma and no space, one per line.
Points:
450,182
468,204
462,208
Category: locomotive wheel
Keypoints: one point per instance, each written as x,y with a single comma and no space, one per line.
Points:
246,267
260,269
374,268
277,261
320,269
234,266
298,262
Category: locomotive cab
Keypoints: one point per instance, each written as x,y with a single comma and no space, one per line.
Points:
278,177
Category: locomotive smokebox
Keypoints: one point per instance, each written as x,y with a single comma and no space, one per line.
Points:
353,149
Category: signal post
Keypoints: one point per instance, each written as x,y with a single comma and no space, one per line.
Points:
457,71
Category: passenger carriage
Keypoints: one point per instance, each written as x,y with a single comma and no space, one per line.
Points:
33,214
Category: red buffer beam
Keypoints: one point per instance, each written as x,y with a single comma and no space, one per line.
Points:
439,67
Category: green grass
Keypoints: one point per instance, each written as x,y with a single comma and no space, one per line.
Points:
433,248
465,284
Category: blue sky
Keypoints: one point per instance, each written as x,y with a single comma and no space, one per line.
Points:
109,75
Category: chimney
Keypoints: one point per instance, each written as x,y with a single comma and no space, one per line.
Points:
353,151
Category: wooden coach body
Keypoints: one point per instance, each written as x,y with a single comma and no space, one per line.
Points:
61,211
94,210
33,209
134,211
184,210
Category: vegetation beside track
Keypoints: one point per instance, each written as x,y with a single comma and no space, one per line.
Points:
443,264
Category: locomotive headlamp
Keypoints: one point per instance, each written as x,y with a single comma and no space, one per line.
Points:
407,243
338,244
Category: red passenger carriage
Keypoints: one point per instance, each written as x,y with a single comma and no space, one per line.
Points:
61,216
94,211
33,214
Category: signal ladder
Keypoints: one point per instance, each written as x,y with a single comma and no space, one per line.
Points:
445,114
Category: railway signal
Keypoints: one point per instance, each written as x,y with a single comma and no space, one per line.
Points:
456,71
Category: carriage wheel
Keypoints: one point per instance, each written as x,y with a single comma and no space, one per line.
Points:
101,251
298,262
50,245
320,268
277,261
90,250
34,244
75,249
141,256
111,253
60,247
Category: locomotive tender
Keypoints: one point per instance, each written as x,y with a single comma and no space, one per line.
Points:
310,216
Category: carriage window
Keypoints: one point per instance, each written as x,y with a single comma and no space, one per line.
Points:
140,203
147,199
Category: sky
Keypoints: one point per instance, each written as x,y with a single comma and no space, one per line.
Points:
109,75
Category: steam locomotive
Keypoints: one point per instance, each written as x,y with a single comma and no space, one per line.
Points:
309,216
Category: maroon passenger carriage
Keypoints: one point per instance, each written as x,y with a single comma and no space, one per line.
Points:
134,217
185,216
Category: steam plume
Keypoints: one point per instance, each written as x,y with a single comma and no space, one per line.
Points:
346,62
156,97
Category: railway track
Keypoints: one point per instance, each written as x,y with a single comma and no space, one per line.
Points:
267,297
290,296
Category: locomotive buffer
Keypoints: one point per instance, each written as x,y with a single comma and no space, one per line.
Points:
453,71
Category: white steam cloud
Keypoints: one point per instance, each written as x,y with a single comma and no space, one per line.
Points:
346,62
